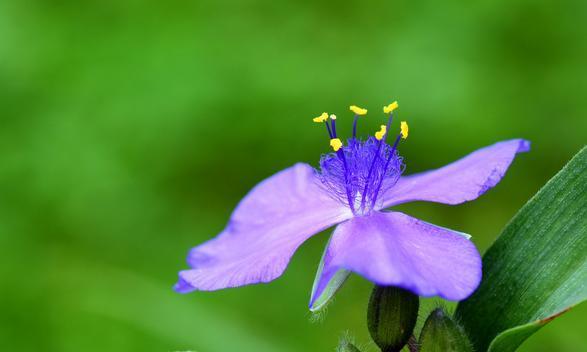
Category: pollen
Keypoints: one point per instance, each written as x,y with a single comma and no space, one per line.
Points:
357,110
333,117
381,133
404,129
336,144
389,108
321,118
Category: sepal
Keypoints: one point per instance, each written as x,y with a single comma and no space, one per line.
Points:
443,334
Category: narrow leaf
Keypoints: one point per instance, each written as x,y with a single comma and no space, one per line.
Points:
509,340
537,268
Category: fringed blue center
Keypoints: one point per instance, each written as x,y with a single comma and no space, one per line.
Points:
359,172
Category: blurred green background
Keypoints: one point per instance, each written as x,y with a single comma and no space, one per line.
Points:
130,129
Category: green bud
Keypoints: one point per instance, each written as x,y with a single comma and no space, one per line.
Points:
391,317
442,334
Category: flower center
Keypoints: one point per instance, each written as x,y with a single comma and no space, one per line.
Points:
357,173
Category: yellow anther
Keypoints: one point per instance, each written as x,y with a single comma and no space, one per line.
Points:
321,118
357,110
404,128
381,133
336,144
389,108
333,117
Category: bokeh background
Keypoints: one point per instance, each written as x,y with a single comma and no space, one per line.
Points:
130,129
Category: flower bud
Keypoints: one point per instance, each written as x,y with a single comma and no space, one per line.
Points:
391,317
442,334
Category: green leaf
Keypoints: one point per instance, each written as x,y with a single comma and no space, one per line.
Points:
510,339
537,268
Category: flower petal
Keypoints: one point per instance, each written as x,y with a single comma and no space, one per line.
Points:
264,231
394,249
461,181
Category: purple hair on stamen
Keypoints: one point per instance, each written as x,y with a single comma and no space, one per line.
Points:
367,173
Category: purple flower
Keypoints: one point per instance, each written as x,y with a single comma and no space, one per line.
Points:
352,187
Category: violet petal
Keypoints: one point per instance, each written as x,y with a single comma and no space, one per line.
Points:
461,181
395,249
264,231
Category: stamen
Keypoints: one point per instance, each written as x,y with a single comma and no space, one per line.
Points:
358,112
333,125
389,108
322,118
368,180
328,129
380,136
381,133
336,144
393,149
389,157
404,128
350,199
